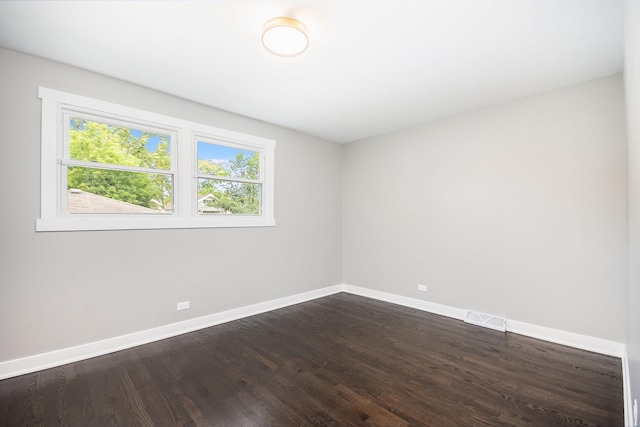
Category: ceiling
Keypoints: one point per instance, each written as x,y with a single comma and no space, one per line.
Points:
372,66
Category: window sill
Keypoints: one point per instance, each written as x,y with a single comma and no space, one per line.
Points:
146,223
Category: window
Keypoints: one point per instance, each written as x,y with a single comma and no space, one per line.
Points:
228,178
116,168
106,166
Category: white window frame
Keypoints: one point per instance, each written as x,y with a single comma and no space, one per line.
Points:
184,134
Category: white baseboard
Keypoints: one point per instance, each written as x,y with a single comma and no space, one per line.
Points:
626,385
431,307
13,368
583,342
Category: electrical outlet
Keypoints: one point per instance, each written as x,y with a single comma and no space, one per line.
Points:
422,288
635,412
183,305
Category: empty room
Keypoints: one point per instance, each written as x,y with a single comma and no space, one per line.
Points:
320,213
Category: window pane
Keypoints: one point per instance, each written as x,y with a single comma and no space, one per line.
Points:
227,197
91,141
219,160
91,190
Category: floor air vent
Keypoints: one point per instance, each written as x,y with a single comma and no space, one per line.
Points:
486,320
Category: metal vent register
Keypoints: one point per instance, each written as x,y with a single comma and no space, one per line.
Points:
486,320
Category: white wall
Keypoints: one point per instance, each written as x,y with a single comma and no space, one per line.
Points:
63,289
632,86
517,210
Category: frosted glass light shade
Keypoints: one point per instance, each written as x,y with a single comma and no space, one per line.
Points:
285,37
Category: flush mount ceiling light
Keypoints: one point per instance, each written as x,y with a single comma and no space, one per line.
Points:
285,37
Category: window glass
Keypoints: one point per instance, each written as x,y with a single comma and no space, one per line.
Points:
95,190
236,188
109,169
228,197
220,160
92,141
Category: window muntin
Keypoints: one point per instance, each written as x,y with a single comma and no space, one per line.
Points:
62,197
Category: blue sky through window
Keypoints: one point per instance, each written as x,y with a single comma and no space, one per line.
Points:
152,142
219,153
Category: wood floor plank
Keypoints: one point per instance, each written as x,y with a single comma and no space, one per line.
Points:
342,360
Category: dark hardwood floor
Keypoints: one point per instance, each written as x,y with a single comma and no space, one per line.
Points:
337,361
